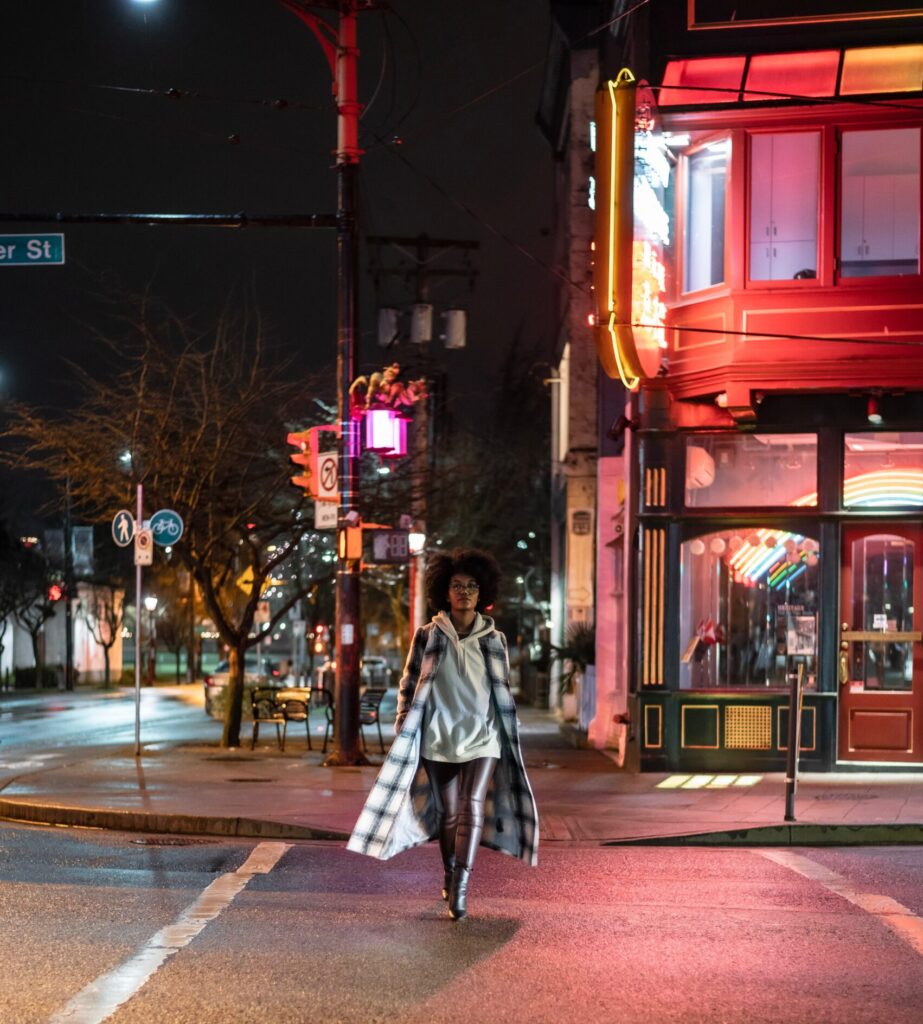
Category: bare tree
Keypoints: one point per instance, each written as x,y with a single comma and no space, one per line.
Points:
102,609
9,582
199,419
34,604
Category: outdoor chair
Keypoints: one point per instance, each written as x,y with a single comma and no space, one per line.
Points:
295,706
265,709
369,714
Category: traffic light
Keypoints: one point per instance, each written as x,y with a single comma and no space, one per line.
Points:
55,593
306,457
350,542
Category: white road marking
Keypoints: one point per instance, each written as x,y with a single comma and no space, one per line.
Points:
902,921
102,997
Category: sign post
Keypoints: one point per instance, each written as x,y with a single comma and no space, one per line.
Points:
139,519
796,691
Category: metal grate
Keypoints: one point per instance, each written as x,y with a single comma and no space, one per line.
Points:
748,728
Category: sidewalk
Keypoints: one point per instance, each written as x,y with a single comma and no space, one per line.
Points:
583,798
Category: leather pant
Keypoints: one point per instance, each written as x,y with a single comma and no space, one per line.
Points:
461,789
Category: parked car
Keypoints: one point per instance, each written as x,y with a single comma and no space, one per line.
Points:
259,670
374,672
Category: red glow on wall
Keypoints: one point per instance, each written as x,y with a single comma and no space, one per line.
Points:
812,73
706,80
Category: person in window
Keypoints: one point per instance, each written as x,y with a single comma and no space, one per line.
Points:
455,770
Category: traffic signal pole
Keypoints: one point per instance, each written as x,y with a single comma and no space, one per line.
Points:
342,56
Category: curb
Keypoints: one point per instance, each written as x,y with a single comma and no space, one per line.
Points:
140,821
789,835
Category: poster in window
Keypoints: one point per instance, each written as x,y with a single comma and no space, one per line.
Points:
802,634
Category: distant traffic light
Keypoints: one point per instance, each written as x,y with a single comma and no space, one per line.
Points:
55,592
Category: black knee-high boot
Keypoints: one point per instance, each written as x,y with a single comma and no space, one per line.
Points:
475,779
447,835
466,846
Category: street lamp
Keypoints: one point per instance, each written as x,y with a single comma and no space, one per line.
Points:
150,603
416,608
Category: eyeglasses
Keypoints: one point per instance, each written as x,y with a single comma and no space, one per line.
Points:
464,588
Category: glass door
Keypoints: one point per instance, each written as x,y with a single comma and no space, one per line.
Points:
880,659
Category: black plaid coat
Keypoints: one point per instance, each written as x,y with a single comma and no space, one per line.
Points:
401,810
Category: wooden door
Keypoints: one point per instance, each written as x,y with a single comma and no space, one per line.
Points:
881,656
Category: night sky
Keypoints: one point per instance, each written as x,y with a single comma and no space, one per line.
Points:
72,146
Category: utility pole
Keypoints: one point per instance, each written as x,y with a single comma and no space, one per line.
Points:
339,46
418,259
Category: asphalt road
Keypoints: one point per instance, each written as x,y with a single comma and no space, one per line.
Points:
311,932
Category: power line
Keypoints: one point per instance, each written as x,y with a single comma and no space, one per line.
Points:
175,94
753,335
819,100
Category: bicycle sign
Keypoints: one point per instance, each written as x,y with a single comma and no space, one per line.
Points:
166,526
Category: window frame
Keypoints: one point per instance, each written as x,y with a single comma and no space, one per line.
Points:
707,511
702,142
760,284
886,280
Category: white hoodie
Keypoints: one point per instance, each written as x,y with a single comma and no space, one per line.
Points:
460,722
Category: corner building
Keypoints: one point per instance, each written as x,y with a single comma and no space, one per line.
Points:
777,440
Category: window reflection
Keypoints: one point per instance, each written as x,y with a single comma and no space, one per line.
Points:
880,217
783,205
883,469
705,199
748,608
736,470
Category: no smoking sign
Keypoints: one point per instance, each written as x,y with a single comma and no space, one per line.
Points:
328,477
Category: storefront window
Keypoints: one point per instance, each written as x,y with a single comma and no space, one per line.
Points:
883,470
784,179
755,470
703,255
748,609
880,215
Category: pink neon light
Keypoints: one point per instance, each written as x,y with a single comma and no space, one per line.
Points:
385,433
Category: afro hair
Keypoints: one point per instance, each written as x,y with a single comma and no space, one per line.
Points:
443,566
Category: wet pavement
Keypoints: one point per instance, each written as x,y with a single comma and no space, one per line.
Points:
183,782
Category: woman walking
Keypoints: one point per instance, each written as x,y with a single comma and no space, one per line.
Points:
455,769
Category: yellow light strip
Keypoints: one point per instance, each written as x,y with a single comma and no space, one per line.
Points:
673,782
697,782
748,780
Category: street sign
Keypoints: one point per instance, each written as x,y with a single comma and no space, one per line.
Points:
123,528
167,526
327,477
390,546
31,250
144,547
325,515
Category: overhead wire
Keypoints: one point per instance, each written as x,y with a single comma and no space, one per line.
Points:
172,93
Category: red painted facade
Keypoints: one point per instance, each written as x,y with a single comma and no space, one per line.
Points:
872,318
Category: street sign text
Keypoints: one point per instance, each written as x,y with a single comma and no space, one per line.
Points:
31,250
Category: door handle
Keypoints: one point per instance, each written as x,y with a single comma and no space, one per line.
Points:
844,663
886,636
